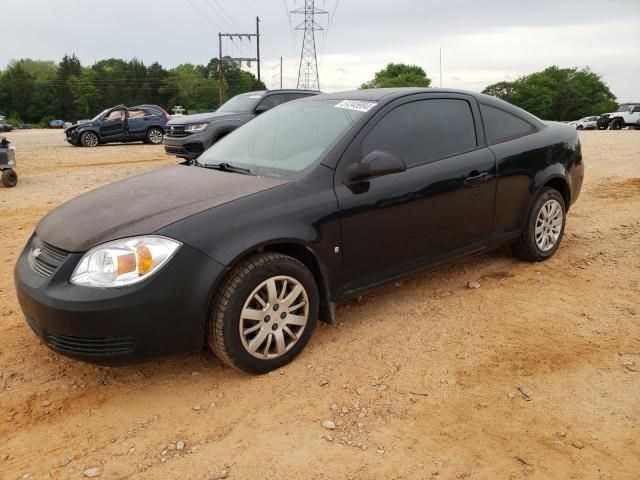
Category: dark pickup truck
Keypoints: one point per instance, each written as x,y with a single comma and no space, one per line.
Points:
190,135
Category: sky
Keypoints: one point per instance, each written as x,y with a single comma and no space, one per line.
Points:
482,41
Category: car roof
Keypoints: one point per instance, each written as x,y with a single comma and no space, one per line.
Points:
385,95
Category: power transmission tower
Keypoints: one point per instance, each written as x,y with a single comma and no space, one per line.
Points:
308,72
238,59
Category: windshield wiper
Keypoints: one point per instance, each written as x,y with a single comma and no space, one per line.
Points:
225,167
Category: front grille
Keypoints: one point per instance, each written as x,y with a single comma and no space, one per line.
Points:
98,347
176,131
44,258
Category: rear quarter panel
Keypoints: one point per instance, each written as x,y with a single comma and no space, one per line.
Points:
527,164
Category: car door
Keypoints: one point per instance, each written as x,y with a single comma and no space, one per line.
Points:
137,122
112,125
441,206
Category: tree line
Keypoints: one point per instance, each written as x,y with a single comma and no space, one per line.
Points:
37,91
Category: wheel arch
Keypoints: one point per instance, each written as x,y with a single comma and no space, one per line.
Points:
155,126
560,184
304,254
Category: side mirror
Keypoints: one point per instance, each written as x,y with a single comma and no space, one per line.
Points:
374,164
261,109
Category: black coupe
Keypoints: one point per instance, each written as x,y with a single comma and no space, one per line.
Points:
310,203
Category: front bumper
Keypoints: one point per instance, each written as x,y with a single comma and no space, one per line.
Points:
188,147
165,314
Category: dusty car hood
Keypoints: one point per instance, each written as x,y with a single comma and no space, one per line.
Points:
142,204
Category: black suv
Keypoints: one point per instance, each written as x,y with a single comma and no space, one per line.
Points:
188,136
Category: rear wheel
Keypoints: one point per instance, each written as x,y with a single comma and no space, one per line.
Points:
264,313
155,136
616,124
9,178
89,139
544,228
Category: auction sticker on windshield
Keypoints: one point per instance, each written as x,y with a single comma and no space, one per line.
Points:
358,105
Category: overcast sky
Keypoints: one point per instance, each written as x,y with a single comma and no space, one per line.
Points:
483,41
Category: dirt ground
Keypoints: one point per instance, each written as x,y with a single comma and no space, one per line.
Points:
532,375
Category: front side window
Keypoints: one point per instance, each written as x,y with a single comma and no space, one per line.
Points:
284,141
500,126
273,101
241,103
424,131
114,115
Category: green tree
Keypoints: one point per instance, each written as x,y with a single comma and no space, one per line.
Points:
69,66
86,95
557,93
399,75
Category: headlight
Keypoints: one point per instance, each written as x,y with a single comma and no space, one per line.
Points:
196,127
124,262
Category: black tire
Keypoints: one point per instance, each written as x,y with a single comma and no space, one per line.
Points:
223,330
155,136
579,127
89,139
9,178
616,124
526,247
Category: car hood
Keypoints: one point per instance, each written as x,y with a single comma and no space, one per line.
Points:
202,117
142,204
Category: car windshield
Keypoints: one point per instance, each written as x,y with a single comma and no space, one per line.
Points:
97,117
285,140
241,103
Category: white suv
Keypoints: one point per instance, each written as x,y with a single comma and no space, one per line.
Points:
626,116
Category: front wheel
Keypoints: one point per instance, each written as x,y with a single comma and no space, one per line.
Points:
89,139
9,178
155,136
579,127
264,313
544,228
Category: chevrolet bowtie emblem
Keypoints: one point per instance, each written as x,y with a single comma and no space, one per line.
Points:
36,252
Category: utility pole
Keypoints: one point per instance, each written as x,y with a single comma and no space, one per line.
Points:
440,67
258,45
231,36
308,72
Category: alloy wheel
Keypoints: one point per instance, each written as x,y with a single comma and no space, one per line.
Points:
90,139
155,136
273,317
548,225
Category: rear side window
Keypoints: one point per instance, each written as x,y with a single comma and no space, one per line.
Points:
152,113
501,126
424,131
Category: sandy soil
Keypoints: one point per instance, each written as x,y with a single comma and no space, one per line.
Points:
533,375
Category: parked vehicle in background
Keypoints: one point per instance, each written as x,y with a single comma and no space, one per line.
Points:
318,200
8,164
56,124
144,123
4,126
189,135
627,115
25,126
586,123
